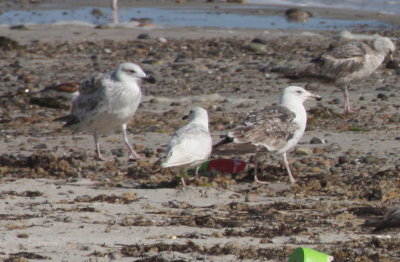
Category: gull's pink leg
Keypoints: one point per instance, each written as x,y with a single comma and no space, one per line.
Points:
255,171
288,169
347,107
133,155
97,155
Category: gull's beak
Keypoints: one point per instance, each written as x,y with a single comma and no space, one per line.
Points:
389,58
316,97
149,78
185,117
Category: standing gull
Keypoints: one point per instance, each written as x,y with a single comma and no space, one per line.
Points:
277,128
192,143
345,64
106,102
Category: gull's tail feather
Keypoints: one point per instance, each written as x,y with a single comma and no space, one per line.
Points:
377,223
68,119
307,72
224,141
284,71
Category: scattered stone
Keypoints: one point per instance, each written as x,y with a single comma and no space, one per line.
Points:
373,160
102,26
18,27
343,160
393,64
259,41
382,97
319,150
7,44
251,197
317,140
256,47
143,36
303,151
96,12
297,15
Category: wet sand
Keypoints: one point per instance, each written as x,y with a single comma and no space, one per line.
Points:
61,205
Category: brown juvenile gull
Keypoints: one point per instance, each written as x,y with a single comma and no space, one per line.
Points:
277,128
191,144
390,219
345,64
107,102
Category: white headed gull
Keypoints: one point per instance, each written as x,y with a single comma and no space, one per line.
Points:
191,144
107,102
276,128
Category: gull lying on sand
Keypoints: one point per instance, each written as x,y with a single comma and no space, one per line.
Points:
191,144
390,219
107,102
277,128
345,64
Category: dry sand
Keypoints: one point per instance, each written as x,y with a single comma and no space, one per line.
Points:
58,204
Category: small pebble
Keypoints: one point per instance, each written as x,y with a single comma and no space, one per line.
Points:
303,151
317,140
143,36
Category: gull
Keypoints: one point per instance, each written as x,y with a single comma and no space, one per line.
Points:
192,143
106,102
276,128
390,219
345,64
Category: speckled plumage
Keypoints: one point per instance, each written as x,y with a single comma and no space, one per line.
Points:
277,128
271,127
345,64
107,102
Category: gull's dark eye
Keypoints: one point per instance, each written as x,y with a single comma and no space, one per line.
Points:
299,92
130,71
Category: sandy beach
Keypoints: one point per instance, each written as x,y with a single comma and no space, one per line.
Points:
59,204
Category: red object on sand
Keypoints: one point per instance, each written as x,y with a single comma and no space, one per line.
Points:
231,166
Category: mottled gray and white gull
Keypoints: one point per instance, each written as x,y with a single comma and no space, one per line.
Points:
345,64
106,102
192,144
276,128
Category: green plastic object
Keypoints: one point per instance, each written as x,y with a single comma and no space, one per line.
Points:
304,254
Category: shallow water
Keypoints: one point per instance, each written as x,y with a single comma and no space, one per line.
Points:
379,6
197,17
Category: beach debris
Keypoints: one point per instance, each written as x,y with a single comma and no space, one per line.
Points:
7,44
297,15
304,254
